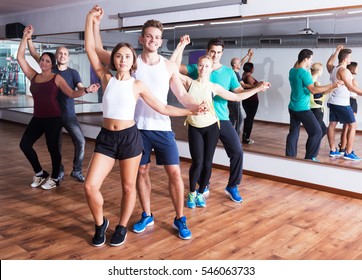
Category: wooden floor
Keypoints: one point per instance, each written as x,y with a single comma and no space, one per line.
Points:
275,221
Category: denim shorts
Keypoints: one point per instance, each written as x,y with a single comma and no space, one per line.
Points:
164,145
342,114
122,144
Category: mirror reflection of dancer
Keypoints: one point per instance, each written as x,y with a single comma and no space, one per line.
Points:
47,118
339,102
302,85
155,129
250,104
353,67
317,100
235,115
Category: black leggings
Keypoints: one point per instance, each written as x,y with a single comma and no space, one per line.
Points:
35,129
250,108
202,144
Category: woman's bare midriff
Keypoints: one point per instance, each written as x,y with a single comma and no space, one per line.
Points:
116,125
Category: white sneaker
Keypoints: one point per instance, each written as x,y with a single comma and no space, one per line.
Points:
38,180
50,184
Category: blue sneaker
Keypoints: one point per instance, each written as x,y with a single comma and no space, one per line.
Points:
180,225
334,153
351,156
315,159
200,200
233,192
145,221
191,200
206,190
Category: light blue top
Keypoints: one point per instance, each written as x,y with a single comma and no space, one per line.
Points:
299,79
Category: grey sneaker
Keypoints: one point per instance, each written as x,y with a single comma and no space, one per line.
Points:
61,176
38,180
50,184
77,175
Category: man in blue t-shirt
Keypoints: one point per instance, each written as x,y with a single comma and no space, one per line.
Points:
69,118
225,77
302,86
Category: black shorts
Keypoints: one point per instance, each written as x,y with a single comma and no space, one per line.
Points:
122,144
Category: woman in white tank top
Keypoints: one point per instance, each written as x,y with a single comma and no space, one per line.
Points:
121,92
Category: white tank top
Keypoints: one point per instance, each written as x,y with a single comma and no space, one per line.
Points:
353,94
118,100
339,96
156,78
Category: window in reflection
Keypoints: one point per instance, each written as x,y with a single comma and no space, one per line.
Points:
12,79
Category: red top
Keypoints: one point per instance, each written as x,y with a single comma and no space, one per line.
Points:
45,98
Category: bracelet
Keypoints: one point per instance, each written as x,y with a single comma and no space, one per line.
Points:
86,91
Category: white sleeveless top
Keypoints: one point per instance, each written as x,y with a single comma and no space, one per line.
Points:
353,94
118,100
339,96
156,78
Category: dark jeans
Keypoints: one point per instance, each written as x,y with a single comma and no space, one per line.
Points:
234,151
202,144
250,108
313,129
235,116
71,124
51,127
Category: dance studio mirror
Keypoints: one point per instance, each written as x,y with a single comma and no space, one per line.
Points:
276,41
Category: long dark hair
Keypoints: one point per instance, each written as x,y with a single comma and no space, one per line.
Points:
51,56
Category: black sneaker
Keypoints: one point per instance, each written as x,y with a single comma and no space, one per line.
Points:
77,175
119,236
99,237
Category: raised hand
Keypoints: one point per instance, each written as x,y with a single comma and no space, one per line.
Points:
28,32
97,13
184,40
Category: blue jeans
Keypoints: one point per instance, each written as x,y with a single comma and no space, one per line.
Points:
313,129
71,124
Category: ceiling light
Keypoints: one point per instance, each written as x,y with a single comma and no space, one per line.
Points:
234,21
354,12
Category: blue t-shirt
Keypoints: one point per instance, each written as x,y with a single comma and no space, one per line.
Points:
299,79
66,103
225,77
